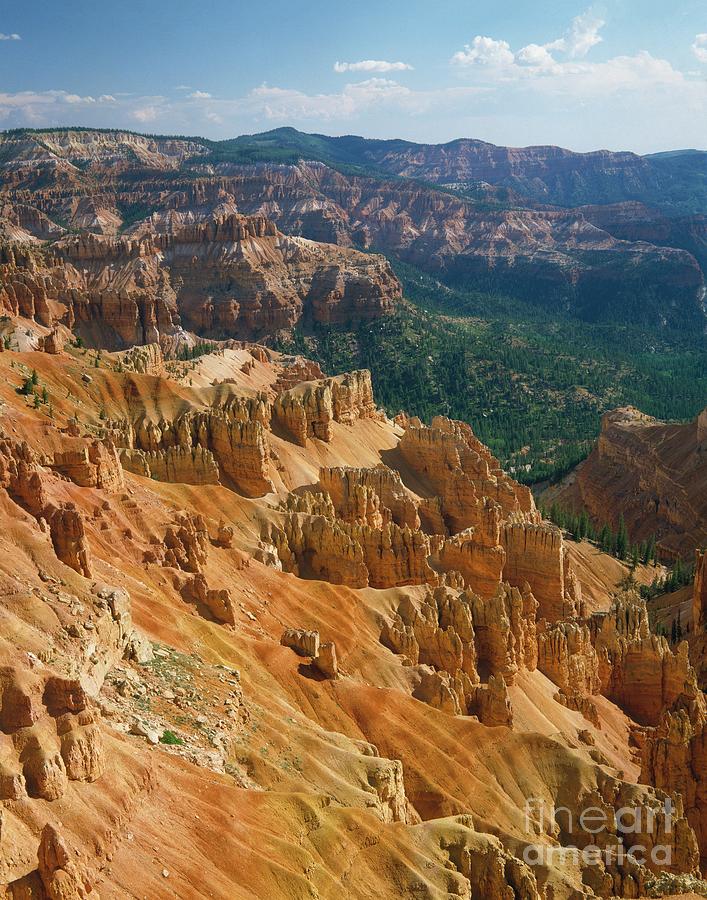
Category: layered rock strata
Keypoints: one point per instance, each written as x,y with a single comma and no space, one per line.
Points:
653,472
233,276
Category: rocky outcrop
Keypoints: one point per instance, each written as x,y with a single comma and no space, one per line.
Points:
310,503
568,658
55,735
652,472
369,496
180,465
480,564
240,276
492,704
53,342
385,781
638,670
451,463
233,276
307,644
60,874
355,555
305,411
318,547
147,359
674,758
217,601
352,397
326,661
437,636
699,593
394,556
68,535
536,555
505,631
309,409
94,465
295,370
490,872
227,442
21,476
186,544
438,632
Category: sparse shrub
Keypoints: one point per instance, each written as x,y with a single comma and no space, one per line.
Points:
27,387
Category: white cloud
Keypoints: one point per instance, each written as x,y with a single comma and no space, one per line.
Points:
145,113
9,37
494,54
536,93
484,51
582,35
371,65
699,47
75,98
537,56
536,67
288,104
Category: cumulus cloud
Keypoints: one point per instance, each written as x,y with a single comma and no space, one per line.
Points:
699,47
199,95
485,51
537,56
582,35
371,65
145,113
492,53
9,37
536,65
75,98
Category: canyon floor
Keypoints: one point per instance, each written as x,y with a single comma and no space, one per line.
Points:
261,640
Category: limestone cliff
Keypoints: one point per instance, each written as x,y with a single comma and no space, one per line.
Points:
652,472
234,276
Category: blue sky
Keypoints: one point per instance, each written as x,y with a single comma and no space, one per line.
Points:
623,74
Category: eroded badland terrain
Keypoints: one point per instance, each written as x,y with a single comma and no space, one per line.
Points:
260,639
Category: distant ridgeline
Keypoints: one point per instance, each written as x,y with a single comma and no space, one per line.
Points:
541,287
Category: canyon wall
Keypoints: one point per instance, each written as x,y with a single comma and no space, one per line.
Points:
653,472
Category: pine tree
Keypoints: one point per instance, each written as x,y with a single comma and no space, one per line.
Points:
621,542
649,551
27,386
635,556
